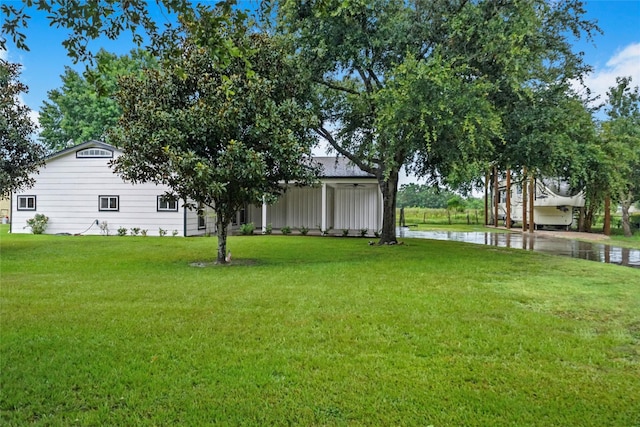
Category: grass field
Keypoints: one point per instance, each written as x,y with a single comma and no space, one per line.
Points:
312,331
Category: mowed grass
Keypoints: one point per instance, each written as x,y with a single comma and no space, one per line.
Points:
312,331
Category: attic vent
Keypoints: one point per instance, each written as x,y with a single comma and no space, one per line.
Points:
94,153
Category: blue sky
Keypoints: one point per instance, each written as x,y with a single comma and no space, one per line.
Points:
614,53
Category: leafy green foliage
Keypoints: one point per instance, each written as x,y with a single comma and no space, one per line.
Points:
20,156
423,196
87,21
84,107
219,133
247,229
621,142
38,223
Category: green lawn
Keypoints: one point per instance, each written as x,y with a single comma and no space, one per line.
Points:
312,331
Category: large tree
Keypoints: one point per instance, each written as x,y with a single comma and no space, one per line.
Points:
219,133
20,155
81,110
621,141
427,85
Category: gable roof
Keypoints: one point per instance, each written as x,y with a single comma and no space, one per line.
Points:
89,144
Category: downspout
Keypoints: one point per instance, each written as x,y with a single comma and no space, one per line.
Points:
184,222
11,213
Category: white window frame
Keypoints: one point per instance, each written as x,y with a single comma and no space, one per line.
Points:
26,200
167,205
94,153
109,208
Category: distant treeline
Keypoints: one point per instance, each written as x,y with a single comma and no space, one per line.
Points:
425,196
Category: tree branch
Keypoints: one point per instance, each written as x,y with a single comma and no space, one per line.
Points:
337,87
324,133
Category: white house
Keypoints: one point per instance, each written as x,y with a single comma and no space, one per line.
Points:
79,192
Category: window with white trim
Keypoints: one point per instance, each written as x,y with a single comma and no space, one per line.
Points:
26,203
167,205
92,153
108,203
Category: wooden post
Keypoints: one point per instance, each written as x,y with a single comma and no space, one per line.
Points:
486,198
606,229
507,219
496,196
532,192
524,199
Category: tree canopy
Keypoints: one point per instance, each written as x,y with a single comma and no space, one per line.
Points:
89,20
20,155
621,142
219,133
79,111
429,86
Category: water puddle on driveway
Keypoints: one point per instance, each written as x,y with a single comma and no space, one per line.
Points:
599,252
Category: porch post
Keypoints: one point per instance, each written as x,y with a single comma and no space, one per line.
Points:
264,216
323,221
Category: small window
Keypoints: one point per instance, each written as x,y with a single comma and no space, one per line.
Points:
165,204
92,153
26,203
108,203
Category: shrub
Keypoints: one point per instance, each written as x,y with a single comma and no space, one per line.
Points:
363,232
345,232
122,231
304,230
135,231
174,233
285,230
144,233
268,229
247,229
162,232
377,233
38,223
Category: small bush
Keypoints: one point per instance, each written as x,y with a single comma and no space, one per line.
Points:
247,229
135,231
122,231
285,230
363,232
174,233
345,232
268,229
144,233
162,232
304,230
377,233
38,223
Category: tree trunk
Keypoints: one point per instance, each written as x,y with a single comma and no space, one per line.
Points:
222,240
606,226
626,226
389,190
486,198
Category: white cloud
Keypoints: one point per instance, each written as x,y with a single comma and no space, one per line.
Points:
625,62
